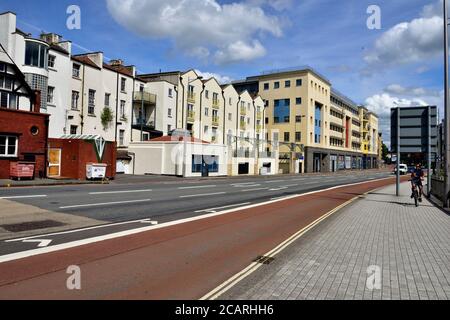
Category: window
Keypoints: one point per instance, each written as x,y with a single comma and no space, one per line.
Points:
230,116
73,129
282,110
91,104
51,61
76,70
6,83
123,84
122,109
276,85
50,94
298,101
36,54
298,82
266,86
169,128
287,137
8,146
298,136
9,100
287,83
205,130
298,119
207,94
230,102
121,137
216,98
248,106
169,113
206,112
198,161
75,96
2,67
170,92
107,98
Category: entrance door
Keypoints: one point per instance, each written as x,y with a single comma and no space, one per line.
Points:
54,162
317,163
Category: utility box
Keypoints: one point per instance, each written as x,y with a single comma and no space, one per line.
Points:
96,170
20,170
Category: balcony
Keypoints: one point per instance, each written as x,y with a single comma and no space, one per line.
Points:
243,125
215,121
147,97
243,111
216,104
191,97
145,124
259,116
191,116
258,128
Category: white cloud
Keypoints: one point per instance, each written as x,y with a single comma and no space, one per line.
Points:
201,28
413,41
278,5
411,91
221,79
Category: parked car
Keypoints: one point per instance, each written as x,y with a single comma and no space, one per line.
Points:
403,169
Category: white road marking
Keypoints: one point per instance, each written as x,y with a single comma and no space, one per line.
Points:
274,181
84,229
202,195
103,204
258,189
214,210
247,185
42,242
24,197
125,191
291,185
64,246
278,189
196,187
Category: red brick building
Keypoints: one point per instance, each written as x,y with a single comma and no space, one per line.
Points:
23,129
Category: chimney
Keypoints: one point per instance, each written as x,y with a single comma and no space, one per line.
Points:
37,101
50,38
116,62
97,58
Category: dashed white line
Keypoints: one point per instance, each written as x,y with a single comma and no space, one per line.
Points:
258,189
202,195
125,191
196,187
214,210
103,204
25,197
274,181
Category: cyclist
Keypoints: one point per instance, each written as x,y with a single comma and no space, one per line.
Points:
416,180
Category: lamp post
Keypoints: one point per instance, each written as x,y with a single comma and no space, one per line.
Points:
447,114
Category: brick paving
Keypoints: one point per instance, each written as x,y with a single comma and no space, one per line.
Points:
409,246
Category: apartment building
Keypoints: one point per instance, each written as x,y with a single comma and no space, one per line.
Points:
319,129
218,114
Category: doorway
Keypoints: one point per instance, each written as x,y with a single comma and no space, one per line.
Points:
54,162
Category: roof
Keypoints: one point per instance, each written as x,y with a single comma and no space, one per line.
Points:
289,70
125,70
58,48
85,60
178,139
81,137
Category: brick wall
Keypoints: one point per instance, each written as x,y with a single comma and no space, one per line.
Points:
20,123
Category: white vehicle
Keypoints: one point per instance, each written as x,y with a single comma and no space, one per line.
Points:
403,169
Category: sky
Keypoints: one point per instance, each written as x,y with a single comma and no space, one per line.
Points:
399,64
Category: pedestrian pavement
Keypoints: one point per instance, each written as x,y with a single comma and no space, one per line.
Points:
381,247
7,183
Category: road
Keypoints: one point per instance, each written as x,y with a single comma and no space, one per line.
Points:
176,260
136,204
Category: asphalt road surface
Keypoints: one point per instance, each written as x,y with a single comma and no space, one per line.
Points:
139,204
176,260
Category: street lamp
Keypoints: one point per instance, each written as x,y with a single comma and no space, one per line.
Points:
447,114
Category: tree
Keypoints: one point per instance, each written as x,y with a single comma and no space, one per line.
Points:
384,152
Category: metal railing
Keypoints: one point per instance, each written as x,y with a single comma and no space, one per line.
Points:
191,116
191,97
147,97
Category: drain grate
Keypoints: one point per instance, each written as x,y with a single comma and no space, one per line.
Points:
32,225
264,260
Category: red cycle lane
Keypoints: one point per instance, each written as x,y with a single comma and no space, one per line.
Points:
183,261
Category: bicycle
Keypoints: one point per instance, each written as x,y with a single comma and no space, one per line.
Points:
415,193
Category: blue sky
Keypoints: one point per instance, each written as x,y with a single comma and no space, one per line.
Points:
400,63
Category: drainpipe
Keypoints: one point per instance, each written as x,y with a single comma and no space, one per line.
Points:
224,116
182,104
117,108
134,160
176,107
201,111
238,122
82,98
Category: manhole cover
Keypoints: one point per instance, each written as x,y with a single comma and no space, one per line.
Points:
32,225
264,260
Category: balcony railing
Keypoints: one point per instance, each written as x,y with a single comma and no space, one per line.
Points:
259,116
191,97
191,116
215,104
243,125
147,97
258,128
215,121
243,111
